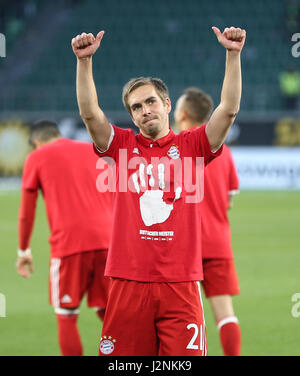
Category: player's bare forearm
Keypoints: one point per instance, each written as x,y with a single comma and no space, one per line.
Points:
90,112
85,88
233,40
230,201
84,47
224,115
232,85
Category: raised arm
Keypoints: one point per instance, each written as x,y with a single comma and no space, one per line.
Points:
84,46
233,39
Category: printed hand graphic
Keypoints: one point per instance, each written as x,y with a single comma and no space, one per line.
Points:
152,206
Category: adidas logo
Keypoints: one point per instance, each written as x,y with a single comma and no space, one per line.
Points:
136,151
66,299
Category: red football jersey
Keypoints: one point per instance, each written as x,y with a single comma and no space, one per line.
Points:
80,218
156,235
220,179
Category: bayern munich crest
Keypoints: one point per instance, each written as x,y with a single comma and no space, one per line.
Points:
173,152
107,345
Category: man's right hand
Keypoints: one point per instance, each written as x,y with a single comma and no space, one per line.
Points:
24,266
85,45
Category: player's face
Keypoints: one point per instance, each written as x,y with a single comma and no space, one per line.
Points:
149,113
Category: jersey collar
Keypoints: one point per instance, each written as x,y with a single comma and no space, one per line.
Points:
148,142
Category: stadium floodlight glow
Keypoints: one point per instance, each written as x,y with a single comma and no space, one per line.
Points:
296,47
2,305
2,45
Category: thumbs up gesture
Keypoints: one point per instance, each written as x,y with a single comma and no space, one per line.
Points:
232,38
85,45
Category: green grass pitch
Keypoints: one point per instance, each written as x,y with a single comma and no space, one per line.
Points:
266,239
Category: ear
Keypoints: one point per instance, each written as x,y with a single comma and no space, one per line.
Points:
168,105
37,144
33,143
184,115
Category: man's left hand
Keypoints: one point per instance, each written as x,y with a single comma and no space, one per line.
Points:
232,38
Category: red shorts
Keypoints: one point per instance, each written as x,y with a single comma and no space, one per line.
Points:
150,319
220,277
73,276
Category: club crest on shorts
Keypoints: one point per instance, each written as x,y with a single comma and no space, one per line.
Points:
173,152
107,345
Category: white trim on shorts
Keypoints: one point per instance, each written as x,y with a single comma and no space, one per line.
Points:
54,281
202,334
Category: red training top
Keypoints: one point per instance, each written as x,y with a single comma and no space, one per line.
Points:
220,180
156,236
80,218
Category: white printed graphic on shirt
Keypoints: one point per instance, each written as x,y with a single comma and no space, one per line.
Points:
152,206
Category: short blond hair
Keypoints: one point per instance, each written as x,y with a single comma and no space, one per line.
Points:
159,86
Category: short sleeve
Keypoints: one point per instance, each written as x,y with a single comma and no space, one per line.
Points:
30,178
201,145
119,139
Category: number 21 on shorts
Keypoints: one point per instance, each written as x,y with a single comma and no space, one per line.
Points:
198,339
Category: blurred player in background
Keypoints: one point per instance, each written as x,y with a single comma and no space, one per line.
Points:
80,220
154,305
220,184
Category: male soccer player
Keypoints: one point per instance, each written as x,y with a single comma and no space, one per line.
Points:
154,305
220,184
80,220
